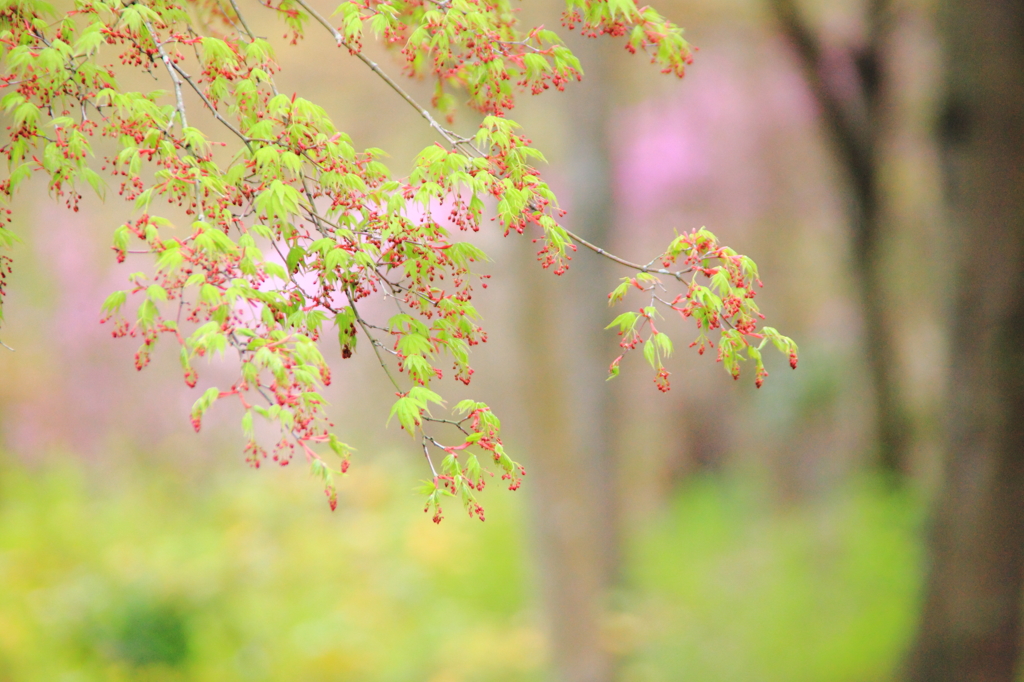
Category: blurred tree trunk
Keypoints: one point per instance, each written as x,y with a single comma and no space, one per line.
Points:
970,628
850,90
572,468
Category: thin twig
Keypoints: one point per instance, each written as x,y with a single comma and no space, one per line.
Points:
209,105
426,453
241,19
622,261
456,424
457,140
169,65
374,343
312,207
437,445
395,285
252,37
340,40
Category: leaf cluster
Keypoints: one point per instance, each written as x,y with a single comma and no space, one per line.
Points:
291,227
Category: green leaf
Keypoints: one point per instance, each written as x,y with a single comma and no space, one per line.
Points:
624,321
462,253
205,401
319,469
664,344
114,302
619,292
415,344
337,258
342,450
408,413
156,292
275,270
295,256
720,282
422,396
170,258
651,353
94,180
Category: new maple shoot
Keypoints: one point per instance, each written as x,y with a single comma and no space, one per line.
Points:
293,228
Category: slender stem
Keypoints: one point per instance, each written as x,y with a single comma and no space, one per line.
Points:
241,19
252,37
239,345
340,40
426,453
622,261
456,141
312,206
437,445
169,65
212,108
395,285
373,342
456,424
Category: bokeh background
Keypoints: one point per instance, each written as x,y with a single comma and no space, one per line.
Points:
716,533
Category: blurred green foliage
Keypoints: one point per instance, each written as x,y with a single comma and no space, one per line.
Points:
246,576
240,575
825,590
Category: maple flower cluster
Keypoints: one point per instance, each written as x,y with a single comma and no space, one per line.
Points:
259,243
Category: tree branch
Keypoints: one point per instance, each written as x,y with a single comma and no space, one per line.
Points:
377,345
169,65
340,40
622,261
426,453
213,110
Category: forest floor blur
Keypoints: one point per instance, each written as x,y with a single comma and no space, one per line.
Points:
148,574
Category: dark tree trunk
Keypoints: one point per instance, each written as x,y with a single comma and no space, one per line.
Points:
892,423
853,119
572,467
970,629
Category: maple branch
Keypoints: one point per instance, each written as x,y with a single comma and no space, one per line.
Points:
169,65
452,139
426,453
213,110
241,19
252,38
456,424
457,141
374,343
622,261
